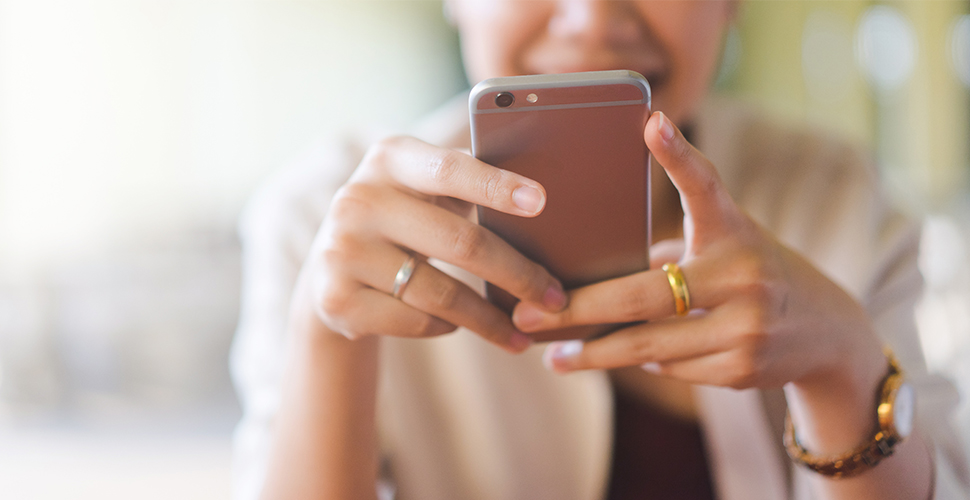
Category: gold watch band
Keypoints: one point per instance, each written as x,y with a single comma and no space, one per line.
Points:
867,455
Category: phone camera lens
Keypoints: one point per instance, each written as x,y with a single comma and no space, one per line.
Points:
504,99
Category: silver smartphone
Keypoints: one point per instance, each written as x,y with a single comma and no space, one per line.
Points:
581,136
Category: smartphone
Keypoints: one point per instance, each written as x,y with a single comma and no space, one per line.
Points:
581,136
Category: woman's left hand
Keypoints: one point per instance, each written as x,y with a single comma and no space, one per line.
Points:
762,315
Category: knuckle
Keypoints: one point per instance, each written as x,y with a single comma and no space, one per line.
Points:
441,328
753,323
760,291
739,382
335,258
643,349
684,152
443,294
382,150
633,302
444,166
424,326
752,343
711,186
468,242
528,281
745,374
706,184
531,284
352,202
334,301
492,183
761,285
340,250
350,334
751,276
427,325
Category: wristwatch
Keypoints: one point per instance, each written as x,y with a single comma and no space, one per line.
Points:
894,415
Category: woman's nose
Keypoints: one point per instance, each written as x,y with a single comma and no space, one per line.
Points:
599,21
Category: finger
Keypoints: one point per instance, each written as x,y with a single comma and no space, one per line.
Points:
643,296
703,195
723,369
660,342
437,233
435,171
665,251
439,295
366,311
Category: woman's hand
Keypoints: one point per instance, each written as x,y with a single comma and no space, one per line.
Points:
763,315
408,198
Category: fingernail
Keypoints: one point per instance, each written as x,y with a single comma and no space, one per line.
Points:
651,367
526,316
528,198
569,349
665,128
555,297
520,342
558,354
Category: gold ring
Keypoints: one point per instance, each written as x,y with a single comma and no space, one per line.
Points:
677,285
403,276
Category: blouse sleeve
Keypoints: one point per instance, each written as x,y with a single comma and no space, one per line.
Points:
823,198
891,304
872,252
276,230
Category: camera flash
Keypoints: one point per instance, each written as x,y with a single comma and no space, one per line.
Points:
532,98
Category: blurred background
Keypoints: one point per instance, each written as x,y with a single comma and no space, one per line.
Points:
133,131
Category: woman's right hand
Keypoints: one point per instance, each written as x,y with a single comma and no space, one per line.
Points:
406,198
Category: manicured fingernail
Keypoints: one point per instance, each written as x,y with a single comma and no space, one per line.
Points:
526,316
520,342
568,349
651,367
559,354
555,298
665,128
528,198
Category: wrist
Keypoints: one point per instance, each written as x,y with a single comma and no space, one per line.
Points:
321,348
893,424
833,408
325,442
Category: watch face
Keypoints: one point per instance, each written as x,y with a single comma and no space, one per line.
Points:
904,406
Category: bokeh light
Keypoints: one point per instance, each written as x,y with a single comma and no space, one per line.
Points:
886,47
960,48
827,59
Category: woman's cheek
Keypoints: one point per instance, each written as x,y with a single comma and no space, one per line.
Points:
692,35
494,34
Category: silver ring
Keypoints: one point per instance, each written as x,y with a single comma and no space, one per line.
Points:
403,276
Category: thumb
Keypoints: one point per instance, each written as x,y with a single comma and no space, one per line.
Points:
703,196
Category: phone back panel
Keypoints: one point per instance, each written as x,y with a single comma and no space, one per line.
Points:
583,141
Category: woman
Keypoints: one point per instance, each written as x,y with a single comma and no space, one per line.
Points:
798,275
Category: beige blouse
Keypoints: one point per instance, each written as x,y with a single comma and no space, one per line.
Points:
462,419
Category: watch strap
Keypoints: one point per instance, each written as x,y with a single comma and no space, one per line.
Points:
864,457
